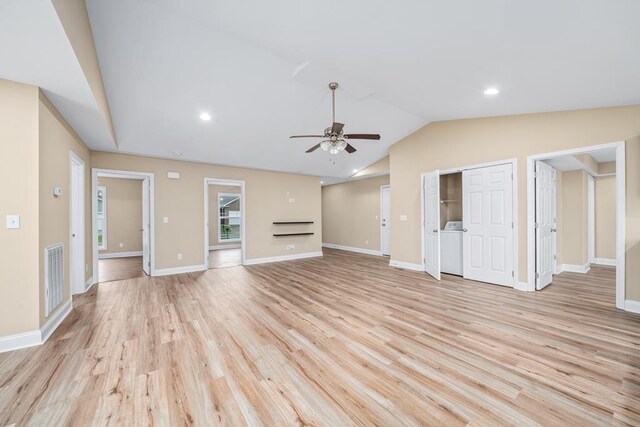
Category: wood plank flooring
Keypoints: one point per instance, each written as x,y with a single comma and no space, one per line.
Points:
223,258
120,269
338,340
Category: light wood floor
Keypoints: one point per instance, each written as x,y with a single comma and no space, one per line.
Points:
120,269
223,258
339,340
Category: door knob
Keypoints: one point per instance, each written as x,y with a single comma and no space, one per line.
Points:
435,230
464,230
553,230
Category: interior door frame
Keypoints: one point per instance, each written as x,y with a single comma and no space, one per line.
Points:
389,224
591,218
77,260
514,170
243,239
123,174
619,146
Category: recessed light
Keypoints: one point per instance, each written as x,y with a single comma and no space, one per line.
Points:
355,170
177,153
321,182
491,91
205,116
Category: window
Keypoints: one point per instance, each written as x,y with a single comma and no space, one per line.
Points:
101,221
229,217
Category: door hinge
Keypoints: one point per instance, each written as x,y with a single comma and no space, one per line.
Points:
537,276
535,174
512,273
148,263
555,256
512,225
537,225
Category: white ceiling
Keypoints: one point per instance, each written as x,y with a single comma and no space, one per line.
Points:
34,49
261,69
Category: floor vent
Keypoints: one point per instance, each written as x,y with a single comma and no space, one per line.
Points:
53,277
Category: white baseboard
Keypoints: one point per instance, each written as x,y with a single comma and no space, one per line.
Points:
218,247
88,284
178,270
37,337
119,255
574,268
406,265
632,306
352,249
605,261
522,286
254,261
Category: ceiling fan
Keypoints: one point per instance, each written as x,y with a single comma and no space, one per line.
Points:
335,140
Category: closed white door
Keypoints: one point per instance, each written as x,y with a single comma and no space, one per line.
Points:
545,223
76,243
146,226
385,220
488,224
431,188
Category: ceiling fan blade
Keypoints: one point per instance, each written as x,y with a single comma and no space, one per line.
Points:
363,136
306,136
337,127
314,148
350,148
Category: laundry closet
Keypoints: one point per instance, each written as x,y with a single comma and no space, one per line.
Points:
468,223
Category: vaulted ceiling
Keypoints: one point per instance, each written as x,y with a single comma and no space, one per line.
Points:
261,69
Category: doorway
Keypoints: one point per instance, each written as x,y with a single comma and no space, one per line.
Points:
76,221
122,214
576,218
472,223
224,224
385,219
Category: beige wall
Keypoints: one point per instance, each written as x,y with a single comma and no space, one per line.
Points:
351,211
573,209
213,213
267,197
124,214
381,167
19,195
56,140
442,145
605,216
632,235
607,168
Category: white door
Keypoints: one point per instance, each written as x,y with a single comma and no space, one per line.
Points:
146,226
487,217
385,220
545,223
431,188
76,242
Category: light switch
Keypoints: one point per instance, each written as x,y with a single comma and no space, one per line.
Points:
403,217
13,221
165,220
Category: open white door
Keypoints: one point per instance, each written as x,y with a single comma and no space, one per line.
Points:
431,188
385,219
488,224
76,257
146,226
545,223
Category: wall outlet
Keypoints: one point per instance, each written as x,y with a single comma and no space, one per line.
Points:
13,221
292,200
179,256
165,219
291,246
366,242
121,245
403,217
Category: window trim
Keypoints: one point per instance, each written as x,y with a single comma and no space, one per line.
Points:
102,188
219,217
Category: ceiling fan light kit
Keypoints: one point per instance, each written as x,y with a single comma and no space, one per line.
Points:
335,140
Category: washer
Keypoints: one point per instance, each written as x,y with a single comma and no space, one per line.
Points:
451,248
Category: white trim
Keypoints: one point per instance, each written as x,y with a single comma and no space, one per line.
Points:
620,212
575,268
88,284
380,222
514,170
37,337
604,261
632,306
591,219
55,321
81,255
105,243
178,270
254,261
243,239
220,247
406,265
111,173
352,249
120,255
